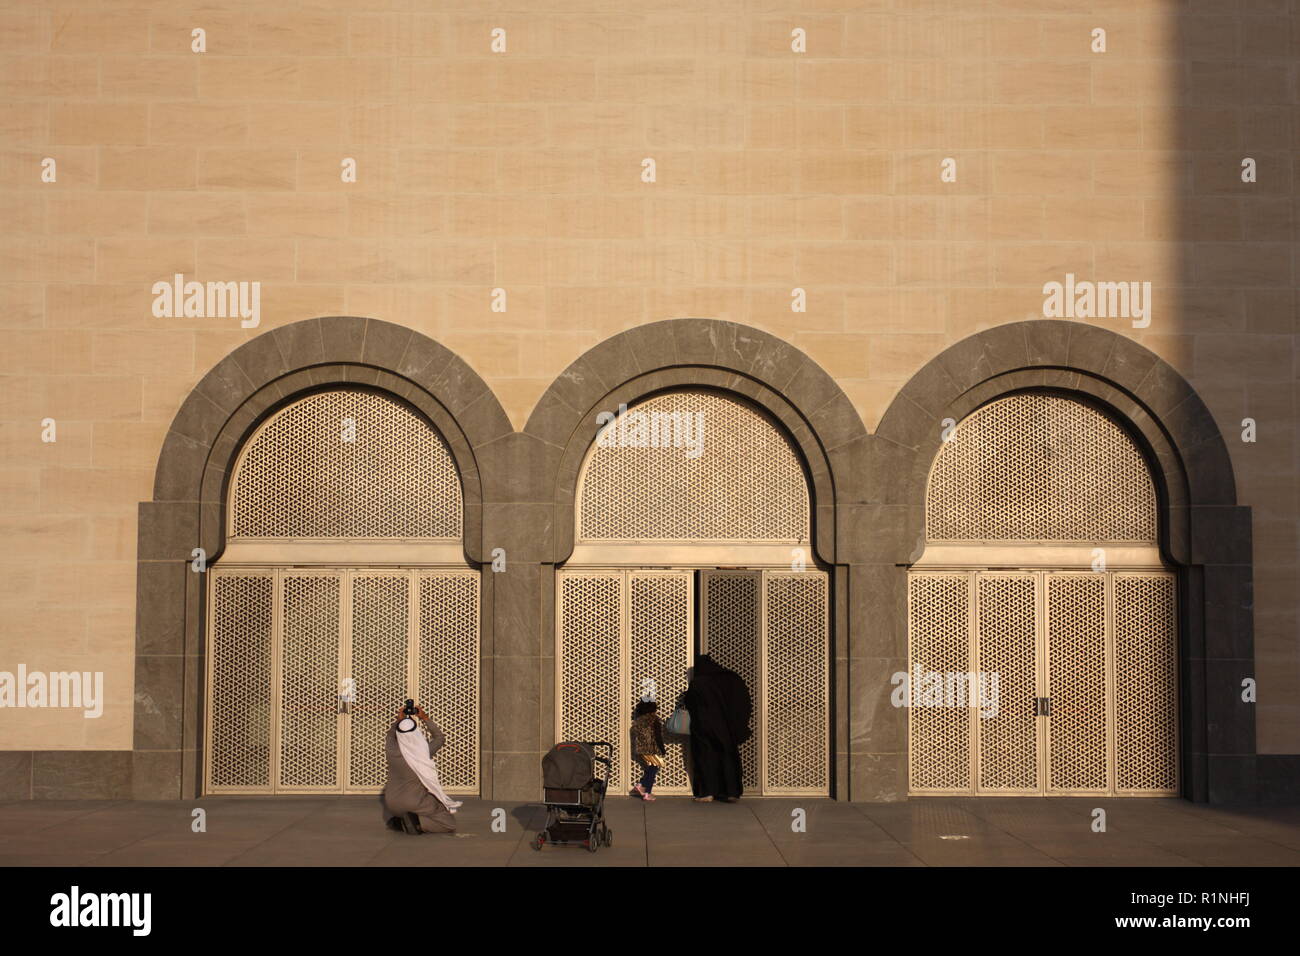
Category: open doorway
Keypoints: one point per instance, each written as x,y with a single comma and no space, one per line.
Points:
632,634
692,517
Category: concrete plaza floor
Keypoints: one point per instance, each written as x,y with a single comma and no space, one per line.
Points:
673,831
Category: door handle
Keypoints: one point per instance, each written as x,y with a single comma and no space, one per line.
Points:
1042,707
347,694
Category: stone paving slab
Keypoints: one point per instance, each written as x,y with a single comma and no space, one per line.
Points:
680,832
946,834
1138,832
672,831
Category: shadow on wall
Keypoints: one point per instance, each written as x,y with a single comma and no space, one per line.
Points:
1233,310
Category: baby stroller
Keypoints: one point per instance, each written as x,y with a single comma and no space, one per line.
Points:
575,795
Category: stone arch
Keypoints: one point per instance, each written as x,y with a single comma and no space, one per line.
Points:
1204,534
781,381
868,508
191,482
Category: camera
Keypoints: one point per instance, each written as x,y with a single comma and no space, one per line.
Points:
409,709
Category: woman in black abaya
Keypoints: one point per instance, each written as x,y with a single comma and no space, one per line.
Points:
720,709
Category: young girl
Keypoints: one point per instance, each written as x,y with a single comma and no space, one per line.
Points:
647,745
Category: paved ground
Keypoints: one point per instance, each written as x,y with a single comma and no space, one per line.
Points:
345,831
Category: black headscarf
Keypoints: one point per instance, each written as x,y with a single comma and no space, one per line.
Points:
719,703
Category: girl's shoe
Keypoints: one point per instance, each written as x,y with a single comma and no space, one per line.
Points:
640,789
649,796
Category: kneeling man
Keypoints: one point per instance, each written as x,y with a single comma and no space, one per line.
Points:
413,799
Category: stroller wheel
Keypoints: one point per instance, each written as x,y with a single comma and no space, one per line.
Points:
539,840
593,843
609,837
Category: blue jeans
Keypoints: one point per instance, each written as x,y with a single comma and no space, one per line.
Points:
648,774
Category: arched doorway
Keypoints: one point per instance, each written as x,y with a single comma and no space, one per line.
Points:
342,591
1042,634
692,535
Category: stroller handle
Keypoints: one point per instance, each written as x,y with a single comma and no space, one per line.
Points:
607,760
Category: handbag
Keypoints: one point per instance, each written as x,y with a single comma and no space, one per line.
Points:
679,723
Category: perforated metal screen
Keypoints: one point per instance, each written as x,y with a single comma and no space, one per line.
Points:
307,669
939,755
796,706
309,676
1084,660
1098,647
380,661
1006,624
731,629
1146,726
449,670
239,681
1076,683
591,705
659,647
635,629
1035,467
646,479
685,468
346,464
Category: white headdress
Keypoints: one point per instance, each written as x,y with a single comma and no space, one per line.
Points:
415,748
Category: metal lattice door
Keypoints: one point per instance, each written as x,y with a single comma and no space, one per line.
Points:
240,713
1076,659
1006,645
772,628
1086,683
635,629
796,682
590,662
1145,669
306,669
310,668
731,625
378,665
659,654
940,611
622,635
447,658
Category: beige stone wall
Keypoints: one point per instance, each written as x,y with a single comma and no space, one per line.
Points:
521,171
